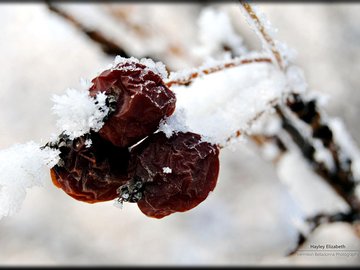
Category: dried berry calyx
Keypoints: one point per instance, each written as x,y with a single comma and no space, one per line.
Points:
90,173
177,173
142,101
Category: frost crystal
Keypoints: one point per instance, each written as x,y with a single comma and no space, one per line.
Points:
79,113
23,166
167,170
88,143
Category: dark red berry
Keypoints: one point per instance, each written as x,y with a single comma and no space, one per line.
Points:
90,174
142,100
176,173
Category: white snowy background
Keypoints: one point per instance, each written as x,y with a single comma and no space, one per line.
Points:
247,220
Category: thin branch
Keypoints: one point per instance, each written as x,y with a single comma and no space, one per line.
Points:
108,46
189,78
262,33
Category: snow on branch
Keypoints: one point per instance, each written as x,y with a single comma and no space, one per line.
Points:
227,100
23,166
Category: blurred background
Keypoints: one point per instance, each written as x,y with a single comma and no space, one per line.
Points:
247,220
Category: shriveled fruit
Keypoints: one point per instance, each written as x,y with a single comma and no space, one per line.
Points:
90,174
142,100
176,173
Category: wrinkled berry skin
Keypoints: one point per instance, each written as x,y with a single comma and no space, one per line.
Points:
194,171
142,101
90,174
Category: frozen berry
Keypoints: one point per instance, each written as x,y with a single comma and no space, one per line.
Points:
142,100
172,174
90,173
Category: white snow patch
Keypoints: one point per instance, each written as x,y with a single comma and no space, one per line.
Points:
174,123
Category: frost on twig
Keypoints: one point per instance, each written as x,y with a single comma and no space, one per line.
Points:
264,31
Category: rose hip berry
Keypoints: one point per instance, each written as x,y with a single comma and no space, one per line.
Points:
175,174
142,101
90,174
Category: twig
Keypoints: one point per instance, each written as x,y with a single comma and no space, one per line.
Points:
189,78
340,180
108,46
262,33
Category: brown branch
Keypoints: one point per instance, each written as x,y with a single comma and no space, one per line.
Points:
107,45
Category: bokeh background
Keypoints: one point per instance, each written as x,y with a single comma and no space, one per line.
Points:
247,219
